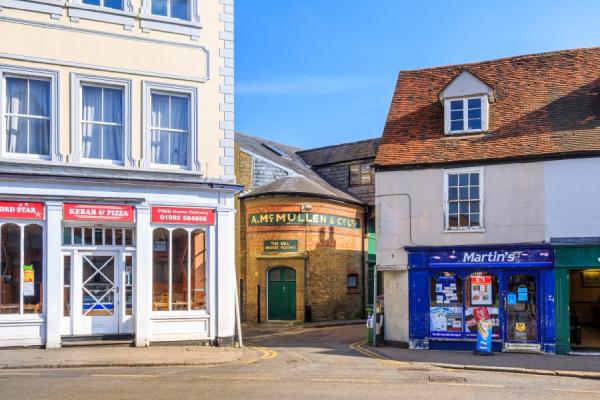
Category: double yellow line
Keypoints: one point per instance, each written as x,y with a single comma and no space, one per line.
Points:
267,354
360,346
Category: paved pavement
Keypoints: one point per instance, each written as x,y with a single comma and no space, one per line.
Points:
295,363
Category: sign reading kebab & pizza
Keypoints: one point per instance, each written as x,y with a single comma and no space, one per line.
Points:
98,212
23,210
299,218
183,215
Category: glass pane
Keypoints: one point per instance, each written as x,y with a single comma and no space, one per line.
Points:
17,130
474,207
474,178
116,4
481,303
118,237
67,236
456,105
98,277
453,221
474,219
179,144
198,284
452,179
475,114
77,236
289,275
67,286
98,236
275,275
87,235
39,136
180,113
446,306
33,269
463,207
16,95
463,179
128,237
160,109
92,141
39,98
159,7
474,103
113,106
521,308
160,147
453,194
128,283
456,125
352,281
108,237
463,193
179,268
355,174
10,284
474,192
179,9
453,208
475,124
91,103
456,115
91,2
160,270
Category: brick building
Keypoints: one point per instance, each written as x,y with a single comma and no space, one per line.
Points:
303,247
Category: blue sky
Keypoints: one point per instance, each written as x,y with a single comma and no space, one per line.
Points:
316,72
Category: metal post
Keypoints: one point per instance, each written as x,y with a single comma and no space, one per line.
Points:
374,306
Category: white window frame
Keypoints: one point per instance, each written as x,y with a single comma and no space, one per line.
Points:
78,10
77,83
39,74
481,227
52,7
189,230
193,152
484,115
150,22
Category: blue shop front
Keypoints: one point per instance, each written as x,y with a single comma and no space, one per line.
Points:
452,288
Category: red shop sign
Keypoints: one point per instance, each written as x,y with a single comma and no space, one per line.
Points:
183,215
22,210
98,212
481,279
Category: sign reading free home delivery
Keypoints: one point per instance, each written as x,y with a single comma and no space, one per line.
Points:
299,218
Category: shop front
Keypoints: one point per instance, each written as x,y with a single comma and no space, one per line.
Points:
141,265
452,289
577,298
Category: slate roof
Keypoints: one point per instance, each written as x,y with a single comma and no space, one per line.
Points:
304,181
546,106
345,152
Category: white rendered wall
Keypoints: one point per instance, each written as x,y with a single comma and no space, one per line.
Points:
573,198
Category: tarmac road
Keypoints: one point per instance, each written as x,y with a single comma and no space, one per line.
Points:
293,364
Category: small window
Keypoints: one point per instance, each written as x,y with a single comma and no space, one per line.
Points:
352,281
464,200
361,174
466,115
28,116
114,4
171,8
170,129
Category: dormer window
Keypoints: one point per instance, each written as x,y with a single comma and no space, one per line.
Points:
466,101
466,115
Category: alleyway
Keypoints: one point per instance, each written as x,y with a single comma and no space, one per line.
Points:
293,364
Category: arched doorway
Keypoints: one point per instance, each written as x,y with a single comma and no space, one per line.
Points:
281,299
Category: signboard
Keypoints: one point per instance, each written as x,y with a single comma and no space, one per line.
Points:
98,212
500,258
280,246
300,218
21,210
590,278
183,215
481,290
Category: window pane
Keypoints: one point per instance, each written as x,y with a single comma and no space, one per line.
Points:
453,194
452,180
352,281
128,285
453,208
77,236
179,144
474,179
128,237
87,236
463,193
108,237
91,135
66,286
198,284
160,110
475,124
113,106
112,141
463,207
456,105
160,270
179,9
474,206
39,98
91,2
475,114
92,103
118,237
39,136
67,236
98,236
474,103
475,192
33,278
453,221
456,115
179,113
179,268
475,220
16,95
289,274
159,7
116,4
275,275
10,269
16,135
354,174
463,179
160,147
456,126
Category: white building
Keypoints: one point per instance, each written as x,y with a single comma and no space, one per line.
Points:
117,217
499,156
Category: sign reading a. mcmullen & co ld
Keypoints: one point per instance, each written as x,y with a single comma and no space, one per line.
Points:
299,218
280,246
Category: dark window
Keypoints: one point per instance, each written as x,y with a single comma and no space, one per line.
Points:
464,201
352,281
361,174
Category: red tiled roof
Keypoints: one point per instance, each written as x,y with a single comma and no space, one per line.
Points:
546,105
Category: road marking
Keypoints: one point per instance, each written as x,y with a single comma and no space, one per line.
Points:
333,380
575,391
123,376
19,374
284,333
267,354
358,346
472,384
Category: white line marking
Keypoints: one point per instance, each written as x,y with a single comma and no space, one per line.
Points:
123,376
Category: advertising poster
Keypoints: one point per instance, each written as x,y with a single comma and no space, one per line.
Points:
28,280
446,322
484,337
445,290
481,290
475,314
522,295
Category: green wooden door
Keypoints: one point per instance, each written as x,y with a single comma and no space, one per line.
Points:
282,294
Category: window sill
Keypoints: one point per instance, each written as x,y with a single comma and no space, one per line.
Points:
169,167
100,162
473,230
466,133
25,157
179,314
103,14
22,318
148,23
54,8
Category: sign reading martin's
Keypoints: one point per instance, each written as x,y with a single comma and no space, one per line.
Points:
299,218
457,258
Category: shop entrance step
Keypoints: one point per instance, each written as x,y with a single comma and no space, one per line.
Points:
98,340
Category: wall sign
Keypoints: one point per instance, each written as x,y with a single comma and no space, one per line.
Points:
299,218
183,215
474,258
590,278
98,212
22,210
280,246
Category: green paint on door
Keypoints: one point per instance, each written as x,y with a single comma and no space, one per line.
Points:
282,294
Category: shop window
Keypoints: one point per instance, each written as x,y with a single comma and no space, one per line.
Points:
179,275
21,269
95,236
352,281
446,306
481,302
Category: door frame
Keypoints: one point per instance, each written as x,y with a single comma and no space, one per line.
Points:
282,267
538,309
